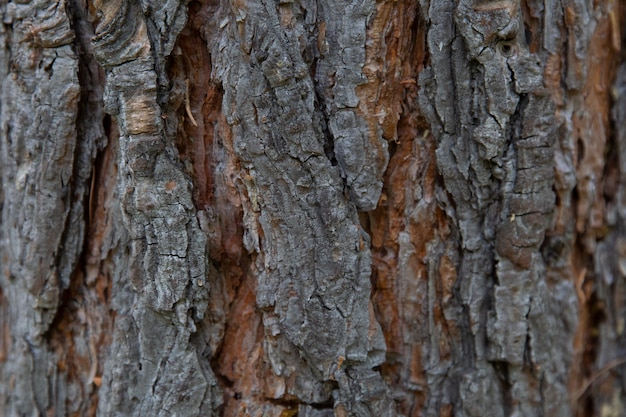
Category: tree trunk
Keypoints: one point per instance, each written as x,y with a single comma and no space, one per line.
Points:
313,208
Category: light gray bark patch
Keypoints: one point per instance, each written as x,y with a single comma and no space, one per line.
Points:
44,186
473,385
168,259
495,130
313,257
121,34
309,411
362,158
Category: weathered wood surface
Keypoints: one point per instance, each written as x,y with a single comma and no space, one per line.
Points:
350,208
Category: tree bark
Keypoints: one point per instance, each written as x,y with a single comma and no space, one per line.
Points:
313,208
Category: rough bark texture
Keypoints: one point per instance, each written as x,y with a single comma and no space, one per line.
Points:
313,208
